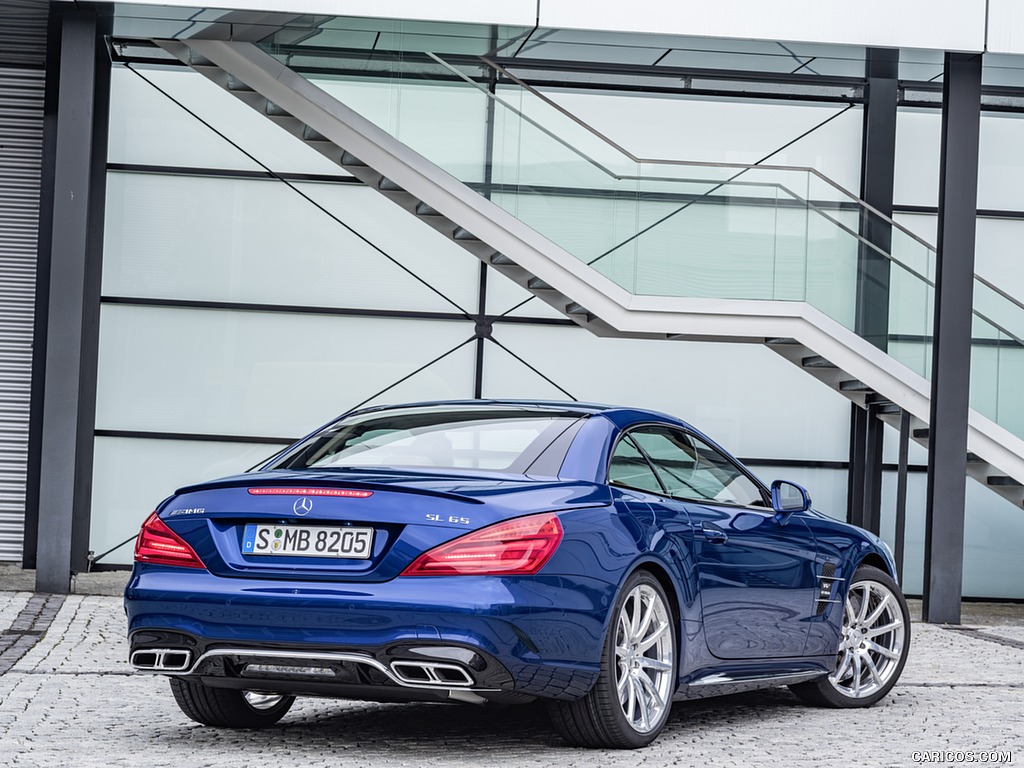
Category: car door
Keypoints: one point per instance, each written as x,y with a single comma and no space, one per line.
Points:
755,572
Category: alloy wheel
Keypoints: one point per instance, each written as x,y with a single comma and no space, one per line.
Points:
644,661
874,636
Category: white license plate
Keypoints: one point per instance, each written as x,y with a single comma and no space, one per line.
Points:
308,541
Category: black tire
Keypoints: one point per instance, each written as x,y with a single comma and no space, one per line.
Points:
226,707
599,720
833,690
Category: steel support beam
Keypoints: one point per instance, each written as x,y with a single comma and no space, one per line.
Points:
875,431
901,494
951,351
75,239
856,474
878,163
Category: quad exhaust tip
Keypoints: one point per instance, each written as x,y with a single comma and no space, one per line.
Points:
161,659
430,673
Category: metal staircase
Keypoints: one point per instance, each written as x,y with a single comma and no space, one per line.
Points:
798,331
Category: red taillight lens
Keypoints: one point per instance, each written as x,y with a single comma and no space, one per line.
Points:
517,547
159,544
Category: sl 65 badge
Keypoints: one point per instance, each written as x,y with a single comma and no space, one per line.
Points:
450,519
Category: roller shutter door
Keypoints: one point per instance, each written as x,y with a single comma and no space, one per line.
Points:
21,139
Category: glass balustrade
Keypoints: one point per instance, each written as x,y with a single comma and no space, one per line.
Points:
668,227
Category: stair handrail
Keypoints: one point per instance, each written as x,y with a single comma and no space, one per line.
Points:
742,167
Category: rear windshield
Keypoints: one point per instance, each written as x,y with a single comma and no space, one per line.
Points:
501,439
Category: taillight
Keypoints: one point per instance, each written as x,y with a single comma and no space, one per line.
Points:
159,544
517,547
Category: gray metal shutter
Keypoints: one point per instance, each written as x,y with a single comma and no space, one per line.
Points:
21,151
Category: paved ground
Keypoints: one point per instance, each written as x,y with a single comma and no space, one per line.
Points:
70,700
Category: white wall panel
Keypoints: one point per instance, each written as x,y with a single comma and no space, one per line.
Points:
255,373
940,24
519,12
1005,26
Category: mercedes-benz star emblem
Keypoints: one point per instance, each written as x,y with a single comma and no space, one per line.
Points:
302,506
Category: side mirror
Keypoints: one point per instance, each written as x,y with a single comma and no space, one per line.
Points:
788,498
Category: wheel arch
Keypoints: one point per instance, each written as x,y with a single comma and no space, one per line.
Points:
877,561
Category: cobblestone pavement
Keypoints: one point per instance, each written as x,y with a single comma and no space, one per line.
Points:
70,700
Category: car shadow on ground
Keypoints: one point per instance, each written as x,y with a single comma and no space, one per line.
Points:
374,729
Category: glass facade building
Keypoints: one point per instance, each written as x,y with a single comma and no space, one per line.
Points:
251,289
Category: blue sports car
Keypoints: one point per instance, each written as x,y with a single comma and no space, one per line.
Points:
606,560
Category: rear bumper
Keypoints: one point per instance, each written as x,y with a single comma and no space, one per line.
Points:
539,636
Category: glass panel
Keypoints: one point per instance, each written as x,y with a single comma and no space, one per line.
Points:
131,476
157,118
256,373
670,227
244,235
629,468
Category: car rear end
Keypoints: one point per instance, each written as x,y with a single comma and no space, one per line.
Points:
376,583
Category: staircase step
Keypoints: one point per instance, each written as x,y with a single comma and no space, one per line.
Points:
311,134
536,284
273,110
853,385
579,310
234,84
973,458
782,341
422,209
387,185
195,60
816,361
347,158
463,234
500,260
887,407
1003,481
922,433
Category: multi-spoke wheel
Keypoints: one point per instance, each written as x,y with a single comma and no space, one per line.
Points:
629,705
873,646
228,708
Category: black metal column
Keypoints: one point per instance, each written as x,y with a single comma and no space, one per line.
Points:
875,432
878,162
856,473
901,494
951,351
75,239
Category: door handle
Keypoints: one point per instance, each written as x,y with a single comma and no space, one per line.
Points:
713,533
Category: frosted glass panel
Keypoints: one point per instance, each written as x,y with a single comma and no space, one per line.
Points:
999,258
917,157
1001,162
147,127
445,122
131,476
259,241
745,396
732,131
255,373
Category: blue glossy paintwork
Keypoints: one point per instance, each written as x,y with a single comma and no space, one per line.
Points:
746,598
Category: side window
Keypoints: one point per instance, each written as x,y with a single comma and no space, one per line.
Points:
629,468
674,458
691,469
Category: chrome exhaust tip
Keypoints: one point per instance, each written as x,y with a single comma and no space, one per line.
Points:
431,673
161,659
